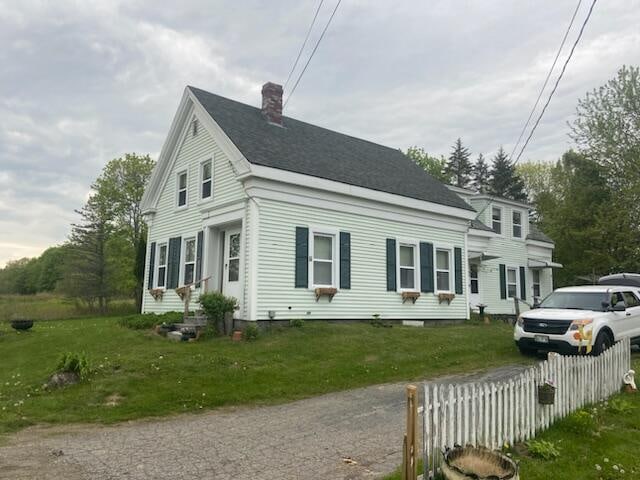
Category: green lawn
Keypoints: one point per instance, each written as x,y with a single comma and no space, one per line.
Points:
154,376
604,435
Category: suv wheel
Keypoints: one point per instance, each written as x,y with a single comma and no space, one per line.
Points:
603,341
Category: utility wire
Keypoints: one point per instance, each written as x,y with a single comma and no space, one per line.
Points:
584,24
295,64
313,52
546,80
575,44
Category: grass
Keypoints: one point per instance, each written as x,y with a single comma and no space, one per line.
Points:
47,306
151,376
590,443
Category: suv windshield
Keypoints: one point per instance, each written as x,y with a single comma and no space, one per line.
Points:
576,300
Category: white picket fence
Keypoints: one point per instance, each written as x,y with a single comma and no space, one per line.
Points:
492,414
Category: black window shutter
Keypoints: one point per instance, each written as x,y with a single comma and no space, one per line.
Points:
503,281
302,257
152,265
199,258
523,284
345,260
391,265
457,260
426,267
173,267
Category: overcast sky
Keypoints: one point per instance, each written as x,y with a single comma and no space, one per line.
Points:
83,82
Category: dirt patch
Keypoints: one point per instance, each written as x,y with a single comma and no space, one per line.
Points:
113,400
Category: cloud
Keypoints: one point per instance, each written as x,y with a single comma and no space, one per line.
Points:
82,82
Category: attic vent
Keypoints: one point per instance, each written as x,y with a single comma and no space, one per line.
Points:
194,127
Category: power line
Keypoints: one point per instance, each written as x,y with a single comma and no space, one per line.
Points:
546,80
304,43
313,52
575,44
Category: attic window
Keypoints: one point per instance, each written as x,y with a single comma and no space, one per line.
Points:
194,127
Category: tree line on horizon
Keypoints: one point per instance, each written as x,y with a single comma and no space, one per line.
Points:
588,202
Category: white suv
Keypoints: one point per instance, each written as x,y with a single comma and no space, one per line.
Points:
577,319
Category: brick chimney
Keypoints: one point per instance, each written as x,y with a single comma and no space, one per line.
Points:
272,102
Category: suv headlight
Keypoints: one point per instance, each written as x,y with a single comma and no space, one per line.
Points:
520,321
583,322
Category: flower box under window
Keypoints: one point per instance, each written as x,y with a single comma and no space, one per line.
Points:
325,292
413,296
156,293
446,297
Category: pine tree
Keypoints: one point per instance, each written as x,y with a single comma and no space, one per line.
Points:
458,167
504,181
480,175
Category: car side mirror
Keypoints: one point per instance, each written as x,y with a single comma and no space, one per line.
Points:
619,307
536,302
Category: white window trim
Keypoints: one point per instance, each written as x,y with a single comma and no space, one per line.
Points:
157,265
335,271
201,179
183,257
186,203
501,219
195,126
517,269
522,215
416,264
477,279
452,270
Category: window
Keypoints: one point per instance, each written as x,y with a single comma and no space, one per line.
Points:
630,299
536,283
194,127
473,273
516,216
323,265
162,265
443,270
234,257
182,189
206,176
189,260
512,282
407,266
496,216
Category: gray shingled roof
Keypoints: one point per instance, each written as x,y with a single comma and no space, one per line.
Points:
536,234
478,225
304,148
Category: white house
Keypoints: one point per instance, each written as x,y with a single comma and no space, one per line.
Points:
297,221
507,256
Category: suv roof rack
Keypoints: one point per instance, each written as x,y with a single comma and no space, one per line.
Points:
621,279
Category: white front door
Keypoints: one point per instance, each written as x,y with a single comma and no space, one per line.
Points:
231,279
474,286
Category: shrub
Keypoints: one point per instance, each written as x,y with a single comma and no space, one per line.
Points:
543,449
296,322
251,333
73,362
216,305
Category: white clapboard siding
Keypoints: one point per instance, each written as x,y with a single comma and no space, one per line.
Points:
495,413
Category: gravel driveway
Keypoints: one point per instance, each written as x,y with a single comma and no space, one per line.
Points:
355,434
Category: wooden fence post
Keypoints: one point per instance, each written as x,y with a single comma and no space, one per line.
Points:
409,464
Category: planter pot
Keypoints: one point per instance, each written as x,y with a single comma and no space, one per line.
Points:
478,463
21,324
546,395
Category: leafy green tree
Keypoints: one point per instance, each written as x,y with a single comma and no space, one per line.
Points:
504,181
122,183
458,166
432,165
480,175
